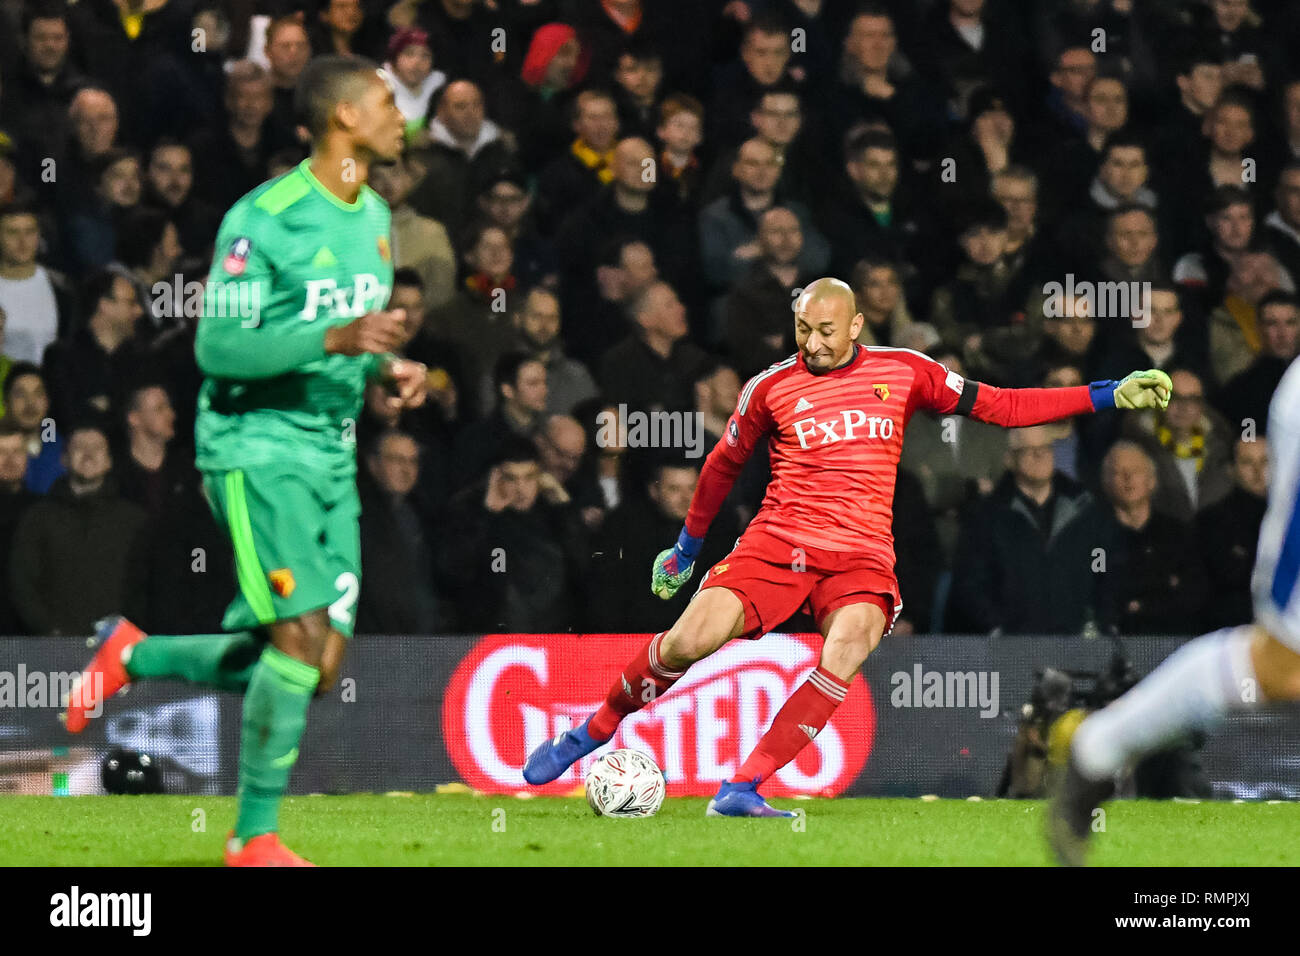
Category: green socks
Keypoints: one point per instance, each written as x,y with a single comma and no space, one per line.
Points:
277,690
275,713
223,661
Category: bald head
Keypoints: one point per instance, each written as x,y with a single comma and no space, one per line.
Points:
828,290
91,99
561,446
634,164
826,324
94,120
565,431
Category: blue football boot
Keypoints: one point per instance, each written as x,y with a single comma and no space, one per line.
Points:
742,800
556,755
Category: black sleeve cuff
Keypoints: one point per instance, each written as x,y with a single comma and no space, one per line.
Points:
969,392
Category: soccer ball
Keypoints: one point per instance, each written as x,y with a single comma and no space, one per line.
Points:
625,783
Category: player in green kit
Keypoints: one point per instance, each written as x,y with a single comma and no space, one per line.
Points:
293,329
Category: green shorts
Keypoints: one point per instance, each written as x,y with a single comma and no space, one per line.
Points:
297,543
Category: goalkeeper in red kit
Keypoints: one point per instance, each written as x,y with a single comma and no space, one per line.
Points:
834,415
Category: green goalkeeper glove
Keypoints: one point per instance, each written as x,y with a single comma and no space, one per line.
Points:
1149,389
674,566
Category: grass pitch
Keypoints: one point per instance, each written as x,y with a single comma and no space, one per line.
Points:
469,830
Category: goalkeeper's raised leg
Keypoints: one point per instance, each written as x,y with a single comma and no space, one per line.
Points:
833,416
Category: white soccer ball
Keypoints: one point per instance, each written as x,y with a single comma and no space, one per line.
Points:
625,783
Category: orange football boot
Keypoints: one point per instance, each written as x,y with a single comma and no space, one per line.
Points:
262,850
104,676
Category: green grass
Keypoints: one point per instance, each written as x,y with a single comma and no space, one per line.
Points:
455,829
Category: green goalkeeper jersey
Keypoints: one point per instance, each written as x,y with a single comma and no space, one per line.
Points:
291,260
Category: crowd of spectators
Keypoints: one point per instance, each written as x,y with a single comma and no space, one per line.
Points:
605,208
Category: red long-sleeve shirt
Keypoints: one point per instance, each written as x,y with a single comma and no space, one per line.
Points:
835,440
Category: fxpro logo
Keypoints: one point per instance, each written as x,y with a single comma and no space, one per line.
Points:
76,909
24,688
849,424
365,294
922,688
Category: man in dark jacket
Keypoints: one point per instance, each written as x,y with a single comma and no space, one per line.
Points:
521,388
763,64
233,156
138,60
14,502
654,368
513,549
873,215
69,563
1154,582
574,177
461,35
91,371
756,313
1246,396
629,207
42,88
397,595
1228,535
149,470
1023,564
169,186
1162,340
463,146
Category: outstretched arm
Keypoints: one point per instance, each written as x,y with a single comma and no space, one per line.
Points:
1017,407
946,392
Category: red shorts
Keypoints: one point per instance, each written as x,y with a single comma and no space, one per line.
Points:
773,582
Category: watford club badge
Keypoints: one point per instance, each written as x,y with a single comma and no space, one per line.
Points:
237,258
882,392
282,582
385,252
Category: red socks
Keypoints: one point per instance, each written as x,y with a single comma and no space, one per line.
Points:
795,725
643,680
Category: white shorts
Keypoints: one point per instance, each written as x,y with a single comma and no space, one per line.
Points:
1275,584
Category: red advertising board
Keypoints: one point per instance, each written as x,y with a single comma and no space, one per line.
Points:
512,691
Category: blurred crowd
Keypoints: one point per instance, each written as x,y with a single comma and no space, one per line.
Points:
606,208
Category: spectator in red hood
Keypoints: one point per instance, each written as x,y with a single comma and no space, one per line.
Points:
537,103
